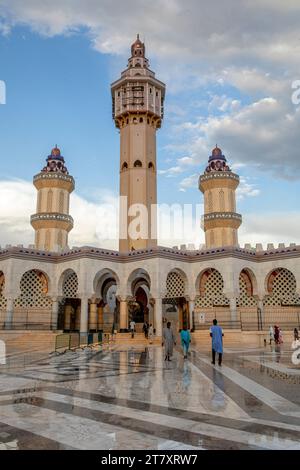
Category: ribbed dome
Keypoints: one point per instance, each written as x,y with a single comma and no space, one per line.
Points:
216,152
138,48
55,152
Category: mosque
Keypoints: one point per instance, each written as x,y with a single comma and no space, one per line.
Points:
51,287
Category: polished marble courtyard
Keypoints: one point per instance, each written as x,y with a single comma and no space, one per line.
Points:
128,397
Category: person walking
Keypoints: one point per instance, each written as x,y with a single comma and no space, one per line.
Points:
280,337
276,334
168,341
150,333
145,329
271,334
132,328
216,334
185,337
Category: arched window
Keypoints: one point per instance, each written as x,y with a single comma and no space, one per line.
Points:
39,201
37,239
47,240
49,200
221,200
141,119
138,164
124,166
61,202
233,201
59,238
151,166
224,237
209,202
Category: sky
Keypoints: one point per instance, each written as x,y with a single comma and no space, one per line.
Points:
229,68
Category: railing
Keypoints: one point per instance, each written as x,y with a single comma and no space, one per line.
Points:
226,325
68,341
252,319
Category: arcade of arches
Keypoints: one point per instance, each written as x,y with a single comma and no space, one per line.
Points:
107,309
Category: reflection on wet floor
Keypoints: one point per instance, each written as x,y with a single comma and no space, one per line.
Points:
130,398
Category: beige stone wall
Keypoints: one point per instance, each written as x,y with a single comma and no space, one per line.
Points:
51,239
219,200
53,200
219,197
53,196
221,236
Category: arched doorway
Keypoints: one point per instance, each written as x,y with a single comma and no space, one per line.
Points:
33,307
247,303
107,308
282,302
175,305
69,310
211,302
139,306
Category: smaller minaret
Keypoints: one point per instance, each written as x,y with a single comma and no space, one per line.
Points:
52,221
218,184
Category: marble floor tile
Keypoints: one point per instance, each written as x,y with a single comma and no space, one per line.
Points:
128,397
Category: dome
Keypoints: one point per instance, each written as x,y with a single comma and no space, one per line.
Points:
216,152
55,152
138,48
217,161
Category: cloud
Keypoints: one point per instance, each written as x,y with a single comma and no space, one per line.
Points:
274,227
246,189
189,182
252,47
263,134
89,226
96,223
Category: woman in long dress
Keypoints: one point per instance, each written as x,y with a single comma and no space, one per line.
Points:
168,341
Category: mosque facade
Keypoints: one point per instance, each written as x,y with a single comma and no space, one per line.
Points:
52,287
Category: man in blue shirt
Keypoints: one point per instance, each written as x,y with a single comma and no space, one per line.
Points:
216,334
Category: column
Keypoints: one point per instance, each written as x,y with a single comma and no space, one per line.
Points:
180,317
191,312
77,318
68,313
93,321
260,305
54,314
233,312
9,313
158,316
100,318
84,315
123,316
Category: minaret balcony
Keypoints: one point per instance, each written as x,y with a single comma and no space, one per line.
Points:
221,219
217,179
54,179
52,220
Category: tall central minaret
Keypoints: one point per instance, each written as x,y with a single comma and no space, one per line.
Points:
138,100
